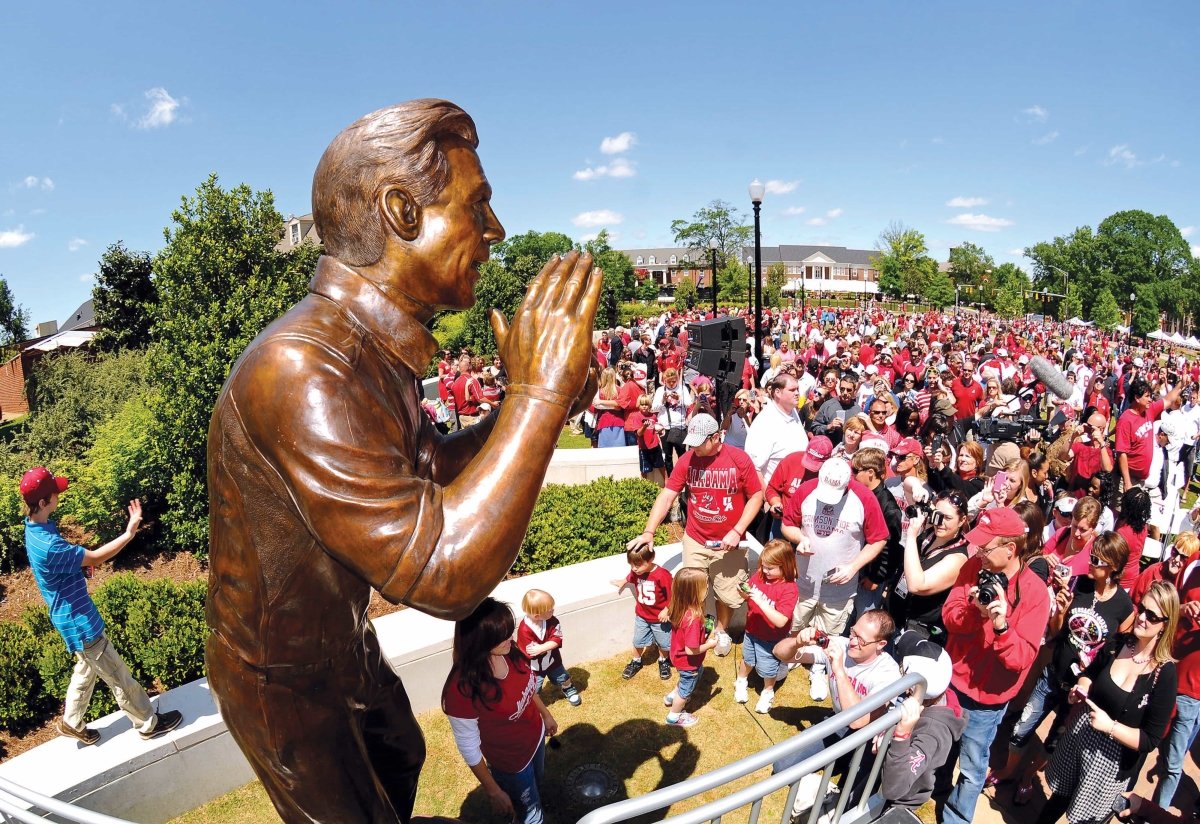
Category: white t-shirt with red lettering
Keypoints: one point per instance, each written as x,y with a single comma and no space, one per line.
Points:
881,671
836,534
718,488
651,592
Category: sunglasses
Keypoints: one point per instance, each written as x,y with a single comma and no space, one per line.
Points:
956,500
1096,562
1151,616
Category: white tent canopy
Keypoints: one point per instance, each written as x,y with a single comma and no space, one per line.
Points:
846,286
1077,321
1157,334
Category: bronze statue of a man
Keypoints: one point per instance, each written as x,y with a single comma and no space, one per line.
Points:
327,479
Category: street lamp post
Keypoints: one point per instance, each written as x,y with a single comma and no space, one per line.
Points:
757,190
1132,298
712,247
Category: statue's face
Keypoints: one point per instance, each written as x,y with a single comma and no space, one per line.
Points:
456,234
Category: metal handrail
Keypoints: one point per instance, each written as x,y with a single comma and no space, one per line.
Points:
64,811
857,742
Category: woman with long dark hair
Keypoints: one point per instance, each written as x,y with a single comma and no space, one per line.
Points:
499,722
1131,525
933,558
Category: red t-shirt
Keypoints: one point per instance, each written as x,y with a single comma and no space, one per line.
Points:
528,636
1187,637
690,633
718,488
782,595
651,593
1059,544
966,398
648,437
1085,462
787,477
627,397
1137,543
467,394
510,730
1135,438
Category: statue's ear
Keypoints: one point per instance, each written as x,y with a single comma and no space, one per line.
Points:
401,212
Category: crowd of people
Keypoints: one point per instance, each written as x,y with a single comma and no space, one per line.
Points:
996,504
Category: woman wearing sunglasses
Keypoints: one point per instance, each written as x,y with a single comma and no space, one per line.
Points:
1122,704
1080,623
933,557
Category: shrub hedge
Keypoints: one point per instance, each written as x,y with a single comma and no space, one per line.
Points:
158,627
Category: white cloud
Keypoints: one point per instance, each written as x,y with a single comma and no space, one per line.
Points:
596,219
1036,114
1018,252
1049,137
781,187
816,221
792,211
621,143
1123,155
1187,231
620,167
965,202
75,244
163,109
832,213
12,238
980,223
1196,251
90,277
35,182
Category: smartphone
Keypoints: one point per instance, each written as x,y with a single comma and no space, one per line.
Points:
998,483
829,575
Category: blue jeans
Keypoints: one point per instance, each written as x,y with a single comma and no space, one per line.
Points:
688,679
1179,742
1044,699
522,787
982,723
867,599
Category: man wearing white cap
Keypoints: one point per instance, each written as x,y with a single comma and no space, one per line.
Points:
838,528
724,495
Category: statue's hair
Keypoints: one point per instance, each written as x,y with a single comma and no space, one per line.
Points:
399,145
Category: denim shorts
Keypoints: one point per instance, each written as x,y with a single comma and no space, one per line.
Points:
557,674
646,633
687,682
758,654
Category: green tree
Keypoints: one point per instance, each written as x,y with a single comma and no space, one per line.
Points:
14,319
1072,307
1073,261
939,290
1149,253
685,295
125,299
902,260
970,264
718,221
773,287
1145,314
1105,312
220,282
734,282
620,282
1007,284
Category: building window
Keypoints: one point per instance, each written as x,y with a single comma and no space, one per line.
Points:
652,260
672,260
295,233
639,260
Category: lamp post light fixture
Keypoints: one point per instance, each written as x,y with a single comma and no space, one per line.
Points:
757,190
712,247
1132,298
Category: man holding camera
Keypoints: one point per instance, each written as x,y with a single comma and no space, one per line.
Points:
995,616
1089,453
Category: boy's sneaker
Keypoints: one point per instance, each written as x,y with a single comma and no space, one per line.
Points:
818,687
685,719
167,721
740,695
765,699
631,669
669,699
724,644
572,694
806,794
664,669
82,734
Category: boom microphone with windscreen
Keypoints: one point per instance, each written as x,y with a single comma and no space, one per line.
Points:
1051,377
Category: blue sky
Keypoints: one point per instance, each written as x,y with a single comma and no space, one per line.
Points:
1003,124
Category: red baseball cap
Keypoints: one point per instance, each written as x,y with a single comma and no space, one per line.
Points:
818,452
909,446
38,483
1002,522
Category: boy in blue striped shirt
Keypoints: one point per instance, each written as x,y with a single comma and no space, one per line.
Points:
58,566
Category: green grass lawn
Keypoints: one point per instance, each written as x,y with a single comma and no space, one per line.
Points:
621,725
569,440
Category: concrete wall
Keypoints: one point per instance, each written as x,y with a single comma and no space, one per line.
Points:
154,781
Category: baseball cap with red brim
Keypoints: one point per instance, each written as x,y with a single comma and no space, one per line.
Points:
833,481
818,452
39,483
1002,522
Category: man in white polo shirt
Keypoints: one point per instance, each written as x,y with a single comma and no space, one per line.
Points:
777,431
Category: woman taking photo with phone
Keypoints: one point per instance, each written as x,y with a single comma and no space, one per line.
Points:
1122,705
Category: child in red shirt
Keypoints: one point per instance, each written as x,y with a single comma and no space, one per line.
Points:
540,639
771,596
651,587
691,638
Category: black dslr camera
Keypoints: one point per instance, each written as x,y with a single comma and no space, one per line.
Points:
991,584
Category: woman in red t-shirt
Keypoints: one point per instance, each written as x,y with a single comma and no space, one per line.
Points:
498,720
610,417
1131,525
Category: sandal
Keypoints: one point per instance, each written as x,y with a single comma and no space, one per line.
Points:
1022,795
994,780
